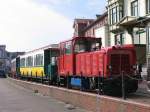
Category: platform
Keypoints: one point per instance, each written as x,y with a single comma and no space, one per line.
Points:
88,101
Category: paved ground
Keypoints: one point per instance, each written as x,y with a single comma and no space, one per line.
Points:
14,98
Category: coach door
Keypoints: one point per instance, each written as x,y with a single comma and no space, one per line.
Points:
18,65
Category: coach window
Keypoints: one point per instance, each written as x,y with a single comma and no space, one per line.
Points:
39,60
22,62
29,61
68,47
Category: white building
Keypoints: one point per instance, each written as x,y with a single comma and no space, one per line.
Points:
127,21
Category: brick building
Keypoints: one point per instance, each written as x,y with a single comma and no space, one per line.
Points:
80,24
93,27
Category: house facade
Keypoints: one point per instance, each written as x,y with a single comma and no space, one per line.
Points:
127,24
93,28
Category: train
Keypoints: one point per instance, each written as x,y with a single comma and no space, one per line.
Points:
82,62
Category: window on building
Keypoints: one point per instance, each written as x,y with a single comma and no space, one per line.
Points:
120,39
22,62
116,13
139,36
134,8
148,39
147,6
120,12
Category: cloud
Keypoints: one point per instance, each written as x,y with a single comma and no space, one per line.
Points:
25,25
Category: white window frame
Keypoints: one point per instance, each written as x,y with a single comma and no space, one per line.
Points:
134,8
147,6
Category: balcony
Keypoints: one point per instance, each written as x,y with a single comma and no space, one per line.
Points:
132,21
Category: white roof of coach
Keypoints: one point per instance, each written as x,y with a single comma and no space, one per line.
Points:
39,50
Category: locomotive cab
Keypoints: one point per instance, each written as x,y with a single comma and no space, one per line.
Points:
69,50
69,61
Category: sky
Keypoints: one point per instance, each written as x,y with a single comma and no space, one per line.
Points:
29,24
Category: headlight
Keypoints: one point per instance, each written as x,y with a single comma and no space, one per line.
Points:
109,67
134,66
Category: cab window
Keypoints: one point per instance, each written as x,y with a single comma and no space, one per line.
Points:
68,47
80,46
53,60
87,45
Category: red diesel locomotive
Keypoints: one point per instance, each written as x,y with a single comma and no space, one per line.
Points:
82,62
